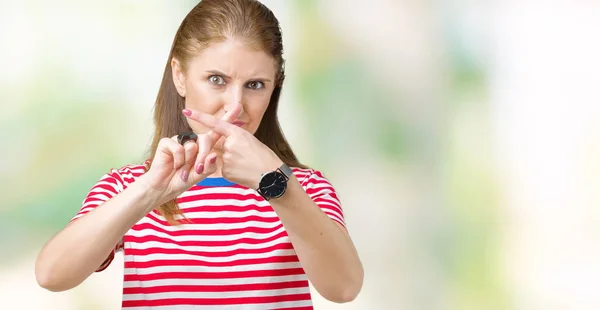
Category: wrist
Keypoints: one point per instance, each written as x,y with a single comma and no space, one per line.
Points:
151,197
268,166
273,183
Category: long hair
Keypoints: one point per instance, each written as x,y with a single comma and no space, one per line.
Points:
215,21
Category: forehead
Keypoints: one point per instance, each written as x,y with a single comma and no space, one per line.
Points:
235,58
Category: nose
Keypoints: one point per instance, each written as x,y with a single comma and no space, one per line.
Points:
235,96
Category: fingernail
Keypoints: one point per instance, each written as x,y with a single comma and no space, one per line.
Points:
199,168
187,112
213,160
184,175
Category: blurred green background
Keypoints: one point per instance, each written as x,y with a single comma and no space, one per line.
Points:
463,138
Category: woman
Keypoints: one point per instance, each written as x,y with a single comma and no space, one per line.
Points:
222,214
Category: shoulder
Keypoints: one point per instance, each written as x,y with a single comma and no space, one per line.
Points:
127,174
133,170
308,176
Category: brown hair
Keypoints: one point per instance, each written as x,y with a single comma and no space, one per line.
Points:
215,21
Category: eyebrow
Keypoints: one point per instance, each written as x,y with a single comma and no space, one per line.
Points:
217,72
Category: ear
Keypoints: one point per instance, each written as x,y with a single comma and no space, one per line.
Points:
178,76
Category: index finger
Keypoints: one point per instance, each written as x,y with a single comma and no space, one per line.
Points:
207,141
229,117
216,125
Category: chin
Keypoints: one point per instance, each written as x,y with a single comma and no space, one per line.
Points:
249,129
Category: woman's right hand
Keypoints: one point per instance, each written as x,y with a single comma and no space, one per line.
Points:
175,167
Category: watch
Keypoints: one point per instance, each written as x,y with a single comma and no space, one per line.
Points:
273,184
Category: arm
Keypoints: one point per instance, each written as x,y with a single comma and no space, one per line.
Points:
323,245
110,211
77,251
83,245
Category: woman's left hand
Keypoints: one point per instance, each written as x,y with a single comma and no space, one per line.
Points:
244,157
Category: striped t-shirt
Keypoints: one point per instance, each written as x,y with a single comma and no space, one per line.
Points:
235,252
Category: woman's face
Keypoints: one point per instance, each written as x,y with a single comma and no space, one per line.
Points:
225,74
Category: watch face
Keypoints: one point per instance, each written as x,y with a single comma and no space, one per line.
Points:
273,184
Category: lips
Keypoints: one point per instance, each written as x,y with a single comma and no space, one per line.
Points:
239,123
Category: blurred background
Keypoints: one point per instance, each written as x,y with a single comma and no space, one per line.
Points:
462,136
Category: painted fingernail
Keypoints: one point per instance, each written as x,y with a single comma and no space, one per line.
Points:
187,112
199,168
184,175
213,160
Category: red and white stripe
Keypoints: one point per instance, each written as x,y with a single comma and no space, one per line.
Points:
234,252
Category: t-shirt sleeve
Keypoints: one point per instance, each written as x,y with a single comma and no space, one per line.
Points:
323,194
106,188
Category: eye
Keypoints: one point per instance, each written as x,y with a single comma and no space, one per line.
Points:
216,79
255,85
